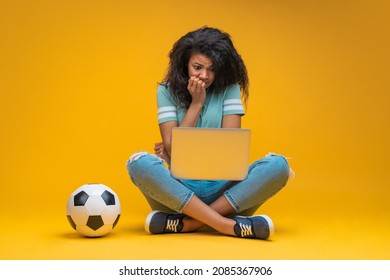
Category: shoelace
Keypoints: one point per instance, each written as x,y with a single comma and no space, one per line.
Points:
246,230
172,225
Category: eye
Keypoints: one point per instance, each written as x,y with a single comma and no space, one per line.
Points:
197,67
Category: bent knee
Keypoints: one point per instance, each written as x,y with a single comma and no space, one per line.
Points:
142,160
133,158
136,156
135,166
281,164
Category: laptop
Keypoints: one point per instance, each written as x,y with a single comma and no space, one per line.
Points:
210,153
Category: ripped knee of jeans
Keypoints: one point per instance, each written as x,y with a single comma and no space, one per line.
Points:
134,157
291,173
137,155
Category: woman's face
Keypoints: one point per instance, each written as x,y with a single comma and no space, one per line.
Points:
202,67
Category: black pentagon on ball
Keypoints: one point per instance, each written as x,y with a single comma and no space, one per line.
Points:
72,223
108,198
95,222
80,199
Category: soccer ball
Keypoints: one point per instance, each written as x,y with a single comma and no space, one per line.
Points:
93,210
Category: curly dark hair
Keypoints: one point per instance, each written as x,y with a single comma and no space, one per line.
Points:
229,68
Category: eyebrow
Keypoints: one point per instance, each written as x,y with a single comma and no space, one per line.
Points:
200,64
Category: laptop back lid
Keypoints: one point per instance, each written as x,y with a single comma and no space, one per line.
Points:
210,153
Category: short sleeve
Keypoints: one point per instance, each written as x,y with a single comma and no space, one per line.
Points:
166,106
232,103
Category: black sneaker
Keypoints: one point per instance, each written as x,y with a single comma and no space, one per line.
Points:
260,227
161,222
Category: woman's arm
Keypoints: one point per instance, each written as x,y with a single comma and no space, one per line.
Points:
231,121
166,136
198,92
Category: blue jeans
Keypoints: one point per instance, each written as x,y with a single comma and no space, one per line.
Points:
265,177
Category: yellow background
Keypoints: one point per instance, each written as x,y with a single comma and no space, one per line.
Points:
77,97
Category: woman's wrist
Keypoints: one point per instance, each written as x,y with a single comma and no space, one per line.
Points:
197,105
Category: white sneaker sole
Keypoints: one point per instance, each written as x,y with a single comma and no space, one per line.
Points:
270,224
148,219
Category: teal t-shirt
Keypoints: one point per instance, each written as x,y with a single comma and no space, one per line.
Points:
215,107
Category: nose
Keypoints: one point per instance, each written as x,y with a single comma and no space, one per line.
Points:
203,74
